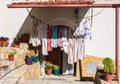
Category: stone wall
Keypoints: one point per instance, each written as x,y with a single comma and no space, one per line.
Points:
90,59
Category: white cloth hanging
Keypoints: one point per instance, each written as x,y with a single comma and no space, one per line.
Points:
81,33
70,51
78,44
35,41
70,47
44,40
64,40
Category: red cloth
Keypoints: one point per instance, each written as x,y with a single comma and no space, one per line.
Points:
49,38
59,37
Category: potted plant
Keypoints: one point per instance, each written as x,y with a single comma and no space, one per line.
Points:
29,57
1,41
5,41
48,68
108,69
25,38
35,58
16,42
56,70
11,54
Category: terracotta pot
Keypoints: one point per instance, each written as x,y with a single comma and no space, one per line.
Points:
49,71
16,45
11,57
5,44
108,77
1,43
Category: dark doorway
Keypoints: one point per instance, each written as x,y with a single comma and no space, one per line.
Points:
56,57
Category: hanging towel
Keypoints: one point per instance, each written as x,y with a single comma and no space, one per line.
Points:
34,38
64,40
81,33
35,41
44,40
70,47
59,37
54,37
78,44
49,37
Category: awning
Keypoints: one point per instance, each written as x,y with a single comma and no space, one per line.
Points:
58,4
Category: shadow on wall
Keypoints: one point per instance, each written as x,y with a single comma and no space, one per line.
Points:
82,13
54,16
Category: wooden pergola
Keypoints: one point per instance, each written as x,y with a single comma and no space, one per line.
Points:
77,4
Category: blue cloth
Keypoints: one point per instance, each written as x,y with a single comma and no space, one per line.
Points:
54,37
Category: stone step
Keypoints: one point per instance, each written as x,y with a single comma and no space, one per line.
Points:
18,75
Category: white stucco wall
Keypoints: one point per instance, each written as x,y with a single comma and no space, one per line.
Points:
103,34
11,20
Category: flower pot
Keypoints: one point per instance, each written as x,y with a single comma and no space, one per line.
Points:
28,60
5,43
1,43
108,77
16,45
56,72
49,71
35,59
11,57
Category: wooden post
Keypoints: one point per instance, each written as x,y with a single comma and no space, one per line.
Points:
117,43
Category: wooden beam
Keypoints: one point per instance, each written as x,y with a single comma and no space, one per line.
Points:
58,4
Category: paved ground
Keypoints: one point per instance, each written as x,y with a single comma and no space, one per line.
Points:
56,80
46,81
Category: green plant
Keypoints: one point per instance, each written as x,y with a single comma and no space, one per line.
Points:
11,52
25,37
48,65
108,65
30,53
17,40
56,67
4,38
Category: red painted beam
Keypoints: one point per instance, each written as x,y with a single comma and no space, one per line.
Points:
117,43
58,4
